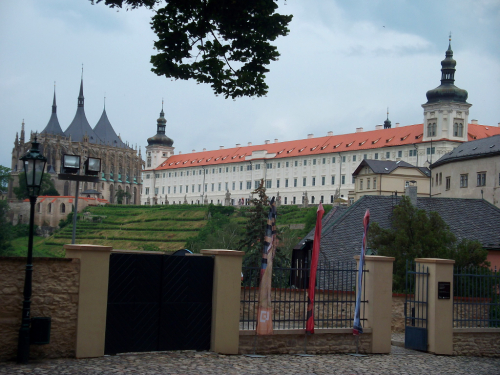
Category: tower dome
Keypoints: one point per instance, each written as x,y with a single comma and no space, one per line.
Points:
160,138
447,91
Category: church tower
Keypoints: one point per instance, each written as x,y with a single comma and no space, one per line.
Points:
446,113
160,147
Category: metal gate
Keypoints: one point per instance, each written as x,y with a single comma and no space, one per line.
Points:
158,302
417,291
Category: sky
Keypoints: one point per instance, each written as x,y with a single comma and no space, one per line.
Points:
342,64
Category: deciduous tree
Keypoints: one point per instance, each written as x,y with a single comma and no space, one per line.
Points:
225,43
47,187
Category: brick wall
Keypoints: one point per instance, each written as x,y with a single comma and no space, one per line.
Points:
55,294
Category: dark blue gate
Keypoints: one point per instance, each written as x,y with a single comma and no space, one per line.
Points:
417,291
158,302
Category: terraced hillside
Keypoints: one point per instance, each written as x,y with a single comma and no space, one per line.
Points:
136,227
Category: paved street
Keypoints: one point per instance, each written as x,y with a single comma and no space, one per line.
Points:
401,361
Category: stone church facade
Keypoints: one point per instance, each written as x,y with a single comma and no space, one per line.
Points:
121,164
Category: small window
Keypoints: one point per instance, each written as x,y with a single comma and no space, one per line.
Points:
387,155
343,179
481,179
296,163
464,180
400,154
324,160
333,160
277,184
365,156
286,182
374,183
431,150
249,185
304,181
368,183
269,165
314,161
333,180
343,159
313,181
305,163
287,164
448,183
323,180
376,156
269,184
354,158
361,184
294,182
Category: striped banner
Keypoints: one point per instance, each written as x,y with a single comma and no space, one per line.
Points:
264,315
357,329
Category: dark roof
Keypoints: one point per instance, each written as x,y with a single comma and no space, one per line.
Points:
53,126
480,148
386,166
80,127
90,191
104,130
474,219
331,216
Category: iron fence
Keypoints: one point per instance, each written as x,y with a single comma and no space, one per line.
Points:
334,300
476,298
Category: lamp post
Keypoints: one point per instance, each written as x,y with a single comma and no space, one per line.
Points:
34,166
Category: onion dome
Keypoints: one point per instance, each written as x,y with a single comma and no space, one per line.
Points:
447,91
160,138
387,122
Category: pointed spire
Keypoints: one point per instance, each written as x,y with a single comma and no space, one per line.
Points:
22,132
81,98
53,126
387,123
54,105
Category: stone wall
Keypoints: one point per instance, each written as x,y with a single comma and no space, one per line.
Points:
398,313
292,342
476,342
55,295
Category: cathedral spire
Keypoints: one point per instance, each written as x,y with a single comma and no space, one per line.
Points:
81,99
22,132
54,105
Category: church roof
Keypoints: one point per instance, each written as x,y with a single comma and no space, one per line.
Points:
53,126
480,148
80,127
361,141
104,130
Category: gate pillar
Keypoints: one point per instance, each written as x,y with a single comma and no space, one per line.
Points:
92,299
439,308
378,291
226,300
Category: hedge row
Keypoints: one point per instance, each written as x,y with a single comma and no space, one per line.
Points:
120,238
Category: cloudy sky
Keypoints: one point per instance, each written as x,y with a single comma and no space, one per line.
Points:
342,64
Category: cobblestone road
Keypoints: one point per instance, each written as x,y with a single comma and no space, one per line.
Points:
400,361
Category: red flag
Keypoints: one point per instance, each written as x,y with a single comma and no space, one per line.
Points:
314,267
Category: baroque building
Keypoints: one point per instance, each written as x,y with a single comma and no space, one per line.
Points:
121,164
313,169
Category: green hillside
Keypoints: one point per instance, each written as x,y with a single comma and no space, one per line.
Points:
166,228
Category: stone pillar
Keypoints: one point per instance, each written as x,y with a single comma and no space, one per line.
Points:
378,292
93,298
439,311
226,300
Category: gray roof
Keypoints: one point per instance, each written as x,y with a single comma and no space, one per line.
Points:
330,217
104,130
474,219
386,166
53,126
80,127
480,148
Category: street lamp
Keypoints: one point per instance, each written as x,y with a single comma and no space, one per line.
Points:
34,166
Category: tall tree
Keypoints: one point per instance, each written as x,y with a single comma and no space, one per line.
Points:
121,195
224,43
47,188
4,177
417,234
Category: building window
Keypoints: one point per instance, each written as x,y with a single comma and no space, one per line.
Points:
147,176
249,185
312,199
431,150
376,156
294,200
333,160
368,183
257,184
199,188
175,187
277,184
269,165
257,166
458,129
374,183
361,184
333,180
400,154
287,164
343,159
324,160
365,156
413,152
279,165
213,186
63,208
206,188
286,200
431,129
219,187
323,180
354,158
314,161
313,181
387,155
305,163
249,167
294,182
304,181
241,185
331,198
241,168
448,182
296,163
234,169
322,199
481,179
464,180
353,179
268,184
234,186
286,182
156,190
343,179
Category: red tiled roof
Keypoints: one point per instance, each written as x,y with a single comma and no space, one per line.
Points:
366,140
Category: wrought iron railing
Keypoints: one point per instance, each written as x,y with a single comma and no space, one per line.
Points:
476,298
334,300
